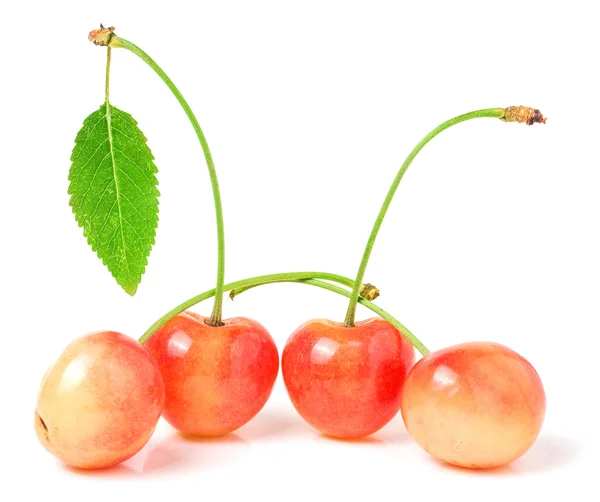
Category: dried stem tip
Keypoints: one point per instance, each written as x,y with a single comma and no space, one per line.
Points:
101,36
369,292
524,115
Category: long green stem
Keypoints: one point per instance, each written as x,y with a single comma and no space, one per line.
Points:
254,281
107,82
234,292
310,278
115,41
490,112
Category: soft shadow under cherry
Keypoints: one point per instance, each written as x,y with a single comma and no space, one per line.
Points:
184,452
223,440
548,453
365,440
270,424
394,433
116,471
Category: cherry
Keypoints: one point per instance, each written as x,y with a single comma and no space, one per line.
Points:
99,403
346,382
218,373
346,379
217,378
476,405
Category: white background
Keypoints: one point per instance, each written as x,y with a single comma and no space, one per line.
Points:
309,108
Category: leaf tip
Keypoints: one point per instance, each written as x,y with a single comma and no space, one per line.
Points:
130,289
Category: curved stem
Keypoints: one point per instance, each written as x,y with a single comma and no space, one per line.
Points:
498,113
246,283
115,41
300,277
291,277
366,291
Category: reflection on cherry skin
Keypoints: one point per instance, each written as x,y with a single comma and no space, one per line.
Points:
476,405
346,382
100,402
217,378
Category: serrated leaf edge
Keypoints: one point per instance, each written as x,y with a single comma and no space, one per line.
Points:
132,287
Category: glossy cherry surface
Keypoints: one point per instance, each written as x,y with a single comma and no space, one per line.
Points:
217,378
346,382
100,401
475,405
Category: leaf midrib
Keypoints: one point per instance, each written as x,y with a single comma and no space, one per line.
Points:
114,166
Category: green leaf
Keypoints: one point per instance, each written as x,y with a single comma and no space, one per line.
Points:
114,193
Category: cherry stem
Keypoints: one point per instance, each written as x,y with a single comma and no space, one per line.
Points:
310,278
254,281
367,291
107,82
115,41
379,311
511,114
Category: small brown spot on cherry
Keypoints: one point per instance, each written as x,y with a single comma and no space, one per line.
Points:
40,422
43,423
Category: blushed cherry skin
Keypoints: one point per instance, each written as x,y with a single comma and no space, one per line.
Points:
475,405
217,378
99,403
346,382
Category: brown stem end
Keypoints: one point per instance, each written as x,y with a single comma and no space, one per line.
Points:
213,324
102,36
369,292
523,115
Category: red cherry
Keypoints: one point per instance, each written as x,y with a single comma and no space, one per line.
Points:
476,405
346,382
100,401
217,378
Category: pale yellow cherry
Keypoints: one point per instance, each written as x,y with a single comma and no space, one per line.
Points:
100,401
476,405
